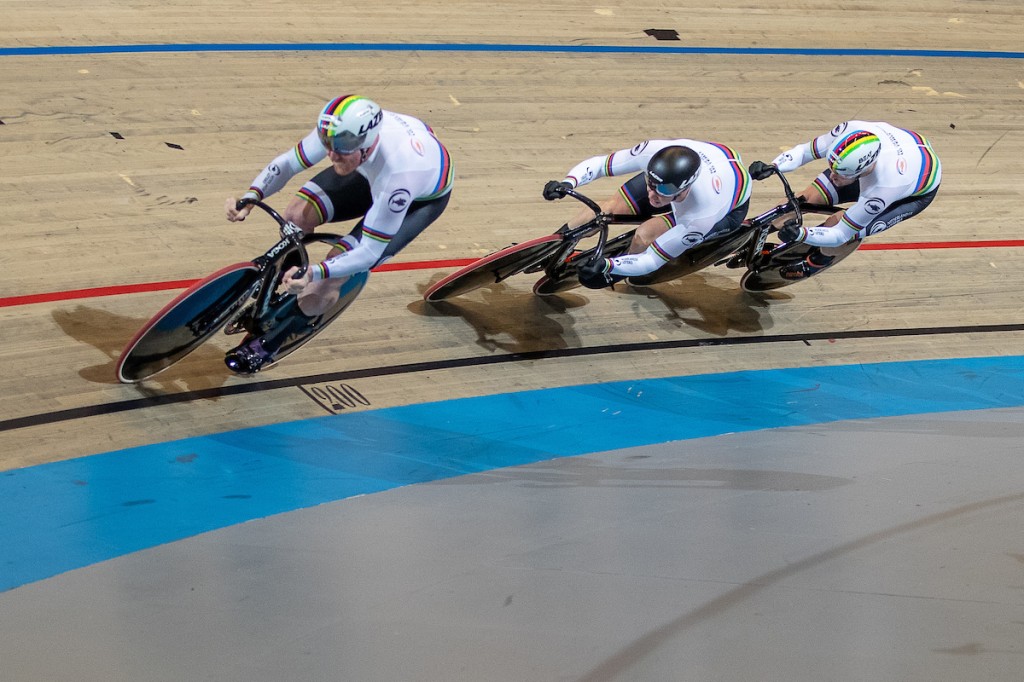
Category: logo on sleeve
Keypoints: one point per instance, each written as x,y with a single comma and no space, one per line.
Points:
417,146
874,205
880,226
639,149
840,129
716,184
399,200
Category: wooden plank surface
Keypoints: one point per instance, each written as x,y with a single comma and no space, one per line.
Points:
84,208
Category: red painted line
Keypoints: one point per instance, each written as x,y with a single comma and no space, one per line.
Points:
1000,243
425,264
94,293
119,290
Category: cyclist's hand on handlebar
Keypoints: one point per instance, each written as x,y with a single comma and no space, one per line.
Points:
759,170
293,285
596,274
792,233
790,160
555,189
234,213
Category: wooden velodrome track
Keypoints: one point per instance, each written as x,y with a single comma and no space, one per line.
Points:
116,164
86,210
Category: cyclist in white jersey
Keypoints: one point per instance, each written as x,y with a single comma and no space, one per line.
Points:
890,173
388,169
686,191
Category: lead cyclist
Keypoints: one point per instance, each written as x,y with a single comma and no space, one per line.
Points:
387,169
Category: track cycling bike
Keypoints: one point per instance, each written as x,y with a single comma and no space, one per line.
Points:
240,298
557,257
554,255
766,263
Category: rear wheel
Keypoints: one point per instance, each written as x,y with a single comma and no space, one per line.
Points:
350,290
697,258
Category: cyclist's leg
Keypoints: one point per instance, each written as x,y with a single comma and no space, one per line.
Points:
633,194
321,296
327,197
817,260
730,222
900,211
824,192
419,217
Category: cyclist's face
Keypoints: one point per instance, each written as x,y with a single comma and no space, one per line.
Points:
842,181
659,200
345,163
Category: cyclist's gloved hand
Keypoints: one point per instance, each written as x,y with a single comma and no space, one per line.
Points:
596,275
555,189
792,233
790,160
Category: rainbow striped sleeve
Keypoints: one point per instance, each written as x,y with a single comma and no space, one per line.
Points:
445,177
741,178
301,157
927,179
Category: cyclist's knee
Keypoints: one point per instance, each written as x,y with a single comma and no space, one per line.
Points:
320,296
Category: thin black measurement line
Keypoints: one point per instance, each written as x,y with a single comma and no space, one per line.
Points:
410,368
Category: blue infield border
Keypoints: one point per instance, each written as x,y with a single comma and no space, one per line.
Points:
65,515
497,47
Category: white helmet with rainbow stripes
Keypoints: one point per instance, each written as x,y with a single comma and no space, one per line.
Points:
349,123
850,155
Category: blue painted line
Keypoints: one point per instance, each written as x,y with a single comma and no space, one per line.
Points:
65,515
497,47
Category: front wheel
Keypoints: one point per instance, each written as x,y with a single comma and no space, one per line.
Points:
496,267
564,277
185,323
769,276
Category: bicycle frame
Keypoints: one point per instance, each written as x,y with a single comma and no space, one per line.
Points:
755,257
200,311
552,254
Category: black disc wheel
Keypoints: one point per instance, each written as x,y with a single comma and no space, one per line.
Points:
496,267
185,323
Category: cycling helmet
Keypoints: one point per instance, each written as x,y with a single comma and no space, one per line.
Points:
851,154
672,170
349,123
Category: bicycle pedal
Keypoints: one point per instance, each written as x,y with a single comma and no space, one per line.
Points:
235,327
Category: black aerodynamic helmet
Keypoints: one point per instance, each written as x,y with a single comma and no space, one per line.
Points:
672,170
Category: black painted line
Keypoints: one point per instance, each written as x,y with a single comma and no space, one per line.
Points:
410,368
